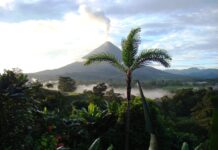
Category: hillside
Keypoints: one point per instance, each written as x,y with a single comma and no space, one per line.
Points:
104,71
196,73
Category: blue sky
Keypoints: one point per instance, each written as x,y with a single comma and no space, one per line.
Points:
45,34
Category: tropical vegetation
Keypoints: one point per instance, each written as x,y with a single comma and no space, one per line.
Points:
36,118
131,60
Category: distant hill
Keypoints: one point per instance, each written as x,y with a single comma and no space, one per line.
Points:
102,71
196,73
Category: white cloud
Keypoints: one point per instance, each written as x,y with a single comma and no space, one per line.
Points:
6,4
182,27
35,45
30,1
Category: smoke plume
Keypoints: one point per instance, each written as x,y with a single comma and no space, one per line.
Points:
98,16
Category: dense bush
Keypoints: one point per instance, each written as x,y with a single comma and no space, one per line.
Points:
66,84
34,118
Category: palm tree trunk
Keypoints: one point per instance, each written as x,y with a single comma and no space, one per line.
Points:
128,93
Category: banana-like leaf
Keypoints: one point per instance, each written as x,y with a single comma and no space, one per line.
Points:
199,147
185,146
147,116
153,140
95,145
110,147
91,108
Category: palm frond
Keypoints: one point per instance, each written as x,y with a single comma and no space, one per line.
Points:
105,57
130,46
152,55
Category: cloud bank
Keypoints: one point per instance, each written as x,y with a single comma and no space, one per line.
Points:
51,33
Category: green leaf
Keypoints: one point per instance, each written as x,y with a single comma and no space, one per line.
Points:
105,57
130,46
45,110
110,147
185,146
91,108
152,55
199,147
147,115
95,145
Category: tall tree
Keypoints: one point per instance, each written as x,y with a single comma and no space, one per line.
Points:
17,110
99,89
66,84
131,60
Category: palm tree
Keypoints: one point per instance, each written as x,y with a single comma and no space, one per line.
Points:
131,60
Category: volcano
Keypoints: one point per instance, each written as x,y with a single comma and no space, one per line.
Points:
102,71
107,47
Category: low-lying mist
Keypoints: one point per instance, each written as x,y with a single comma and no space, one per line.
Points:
153,93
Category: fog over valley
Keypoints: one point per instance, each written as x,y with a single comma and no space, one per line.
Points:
149,93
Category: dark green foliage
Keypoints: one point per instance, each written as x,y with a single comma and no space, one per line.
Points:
12,84
34,118
49,85
100,89
23,123
189,113
185,146
95,145
46,142
111,95
185,100
66,84
147,115
202,111
214,128
17,111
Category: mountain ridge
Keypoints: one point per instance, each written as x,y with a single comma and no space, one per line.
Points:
103,71
195,72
